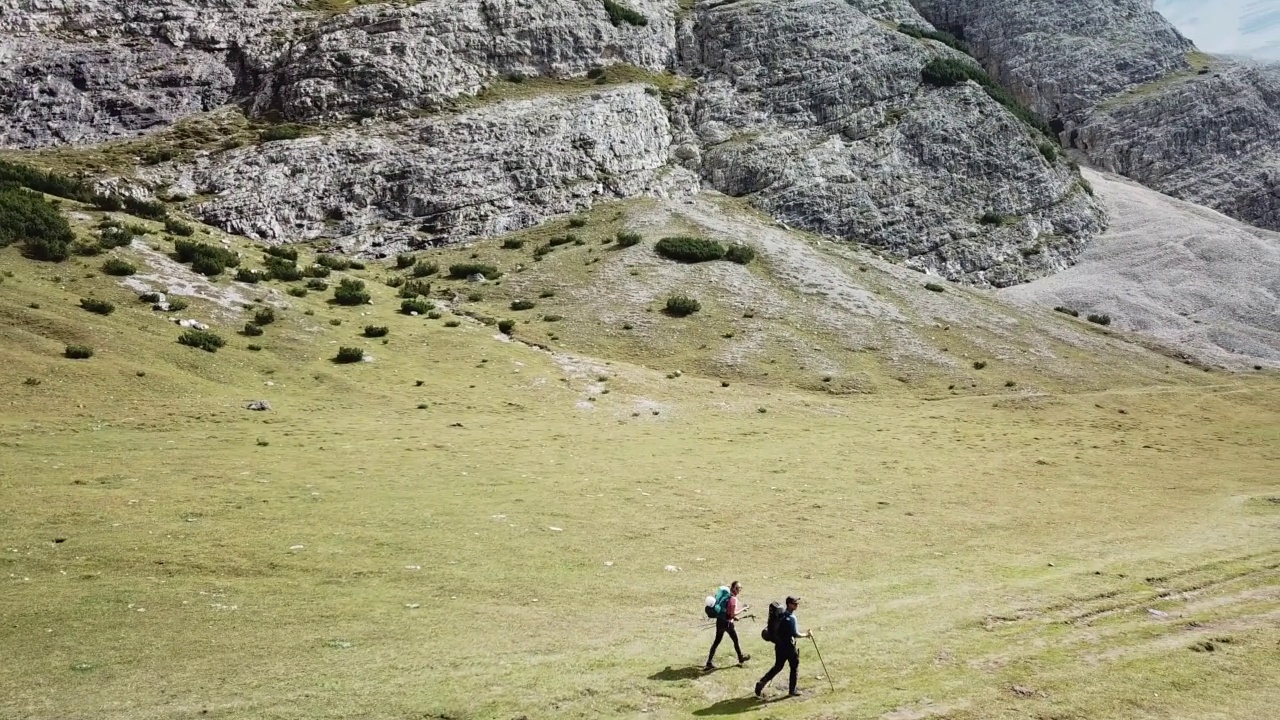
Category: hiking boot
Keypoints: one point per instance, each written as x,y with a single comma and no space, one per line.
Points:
759,689
794,693
743,658
708,667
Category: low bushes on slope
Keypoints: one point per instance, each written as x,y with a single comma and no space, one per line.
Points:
945,38
51,183
619,14
29,218
689,249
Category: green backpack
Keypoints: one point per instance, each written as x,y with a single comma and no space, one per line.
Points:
717,606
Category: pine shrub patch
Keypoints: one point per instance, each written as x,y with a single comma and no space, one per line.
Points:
1099,319
101,307
173,226
415,288
620,14
28,217
252,329
689,249
681,306
948,71
265,316
202,340
506,327
317,284
512,244
282,252
78,352
523,305
405,260
351,292
245,275
934,287
376,331
1067,311
118,267
628,239
462,271
333,262
349,355
298,292
425,269
740,253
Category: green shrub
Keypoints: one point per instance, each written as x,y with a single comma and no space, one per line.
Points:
333,262
628,239
559,240
451,323
201,339
934,287
474,297
547,294
282,269
177,304
681,306
357,265
253,348
414,288
86,249
979,364
349,355
506,327
78,352
316,271
946,71
177,227
253,329
1067,311
512,244
264,316
190,251
101,307
1088,186
297,292
351,292
424,269
28,217
619,14
689,249
462,271
282,252
541,251
245,275
149,297
283,131
114,236
434,314
943,37
993,218
405,260
118,267
552,318
317,285
1049,151
394,281
207,266
523,305
740,253
335,321
1099,319
577,222
376,331
73,189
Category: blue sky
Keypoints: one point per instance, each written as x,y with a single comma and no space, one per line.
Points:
1238,27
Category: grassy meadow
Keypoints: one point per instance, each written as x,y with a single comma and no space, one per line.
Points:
467,527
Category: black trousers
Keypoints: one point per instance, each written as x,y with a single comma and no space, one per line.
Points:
723,627
784,652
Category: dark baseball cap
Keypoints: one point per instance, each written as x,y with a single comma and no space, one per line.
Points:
793,600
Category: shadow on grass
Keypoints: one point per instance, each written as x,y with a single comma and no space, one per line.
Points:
735,706
670,674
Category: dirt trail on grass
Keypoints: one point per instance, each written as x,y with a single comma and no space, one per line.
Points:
1183,274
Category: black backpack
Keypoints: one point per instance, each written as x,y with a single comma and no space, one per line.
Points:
777,611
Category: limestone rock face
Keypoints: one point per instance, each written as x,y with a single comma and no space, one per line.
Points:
421,56
83,71
817,112
1062,58
435,180
1134,97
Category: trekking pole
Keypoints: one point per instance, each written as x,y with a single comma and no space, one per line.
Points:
824,664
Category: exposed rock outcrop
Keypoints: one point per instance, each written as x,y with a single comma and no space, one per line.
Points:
817,112
433,180
1134,96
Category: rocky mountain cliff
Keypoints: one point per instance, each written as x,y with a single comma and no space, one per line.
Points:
434,122
1134,97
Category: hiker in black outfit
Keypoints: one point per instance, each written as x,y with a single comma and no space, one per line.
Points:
784,634
726,616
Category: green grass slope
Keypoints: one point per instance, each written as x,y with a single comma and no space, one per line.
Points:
464,526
